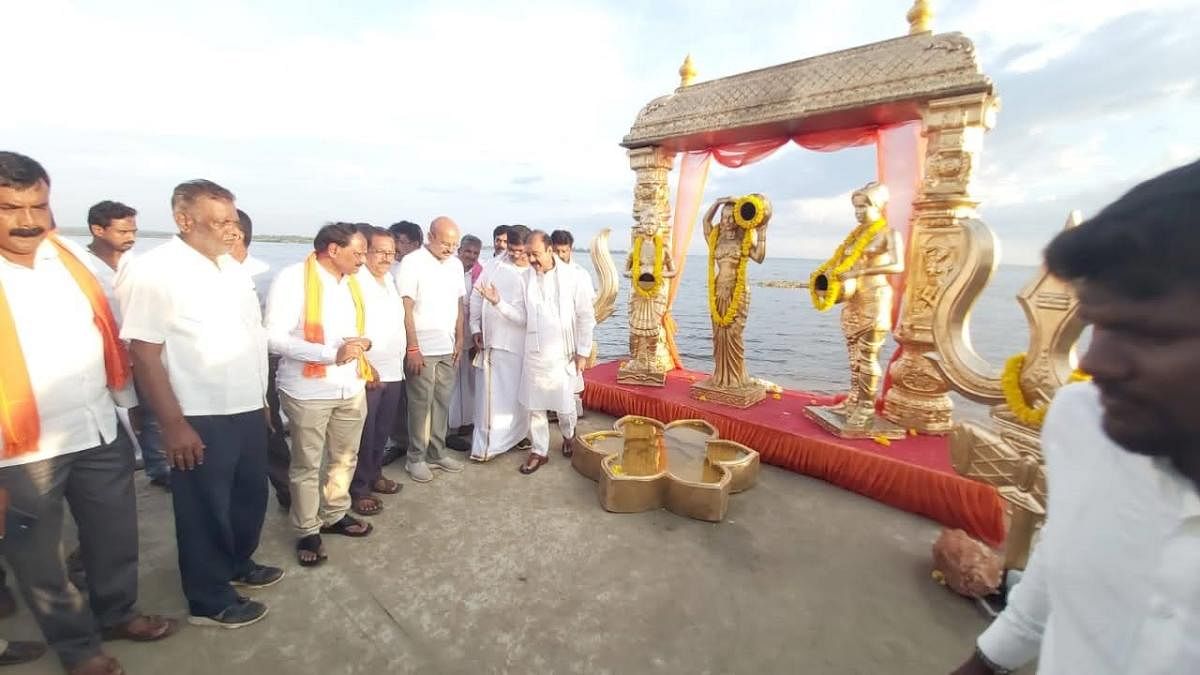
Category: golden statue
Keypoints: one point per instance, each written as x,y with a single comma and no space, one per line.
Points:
857,274
1007,453
739,237
606,292
648,266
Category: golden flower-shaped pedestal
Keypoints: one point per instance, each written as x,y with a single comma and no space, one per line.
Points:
643,464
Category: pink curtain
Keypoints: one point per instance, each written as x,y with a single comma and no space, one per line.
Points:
899,151
900,156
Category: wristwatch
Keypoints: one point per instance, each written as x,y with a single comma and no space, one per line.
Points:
996,669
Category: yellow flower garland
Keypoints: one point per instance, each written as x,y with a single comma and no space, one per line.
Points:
840,262
739,286
658,265
1010,382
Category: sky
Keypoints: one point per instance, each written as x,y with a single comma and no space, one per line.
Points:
377,111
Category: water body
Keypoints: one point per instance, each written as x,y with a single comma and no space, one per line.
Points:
787,341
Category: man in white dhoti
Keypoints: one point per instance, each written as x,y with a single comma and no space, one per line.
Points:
558,339
462,404
498,332
563,243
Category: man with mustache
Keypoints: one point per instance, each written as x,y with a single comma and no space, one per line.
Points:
316,323
200,356
1112,585
559,320
64,371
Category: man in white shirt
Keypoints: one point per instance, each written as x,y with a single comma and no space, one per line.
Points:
462,404
385,325
199,352
63,372
316,323
430,281
113,226
240,251
498,333
1112,584
564,248
114,232
559,325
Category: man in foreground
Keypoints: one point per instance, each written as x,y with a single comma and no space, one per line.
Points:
316,323
1111,586
560,321
199,352
59,438
430,281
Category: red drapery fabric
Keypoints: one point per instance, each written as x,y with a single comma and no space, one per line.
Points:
899,153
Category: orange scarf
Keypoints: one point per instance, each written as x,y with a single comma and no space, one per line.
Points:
314,330
19,421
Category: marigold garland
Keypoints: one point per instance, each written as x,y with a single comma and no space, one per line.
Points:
839,263
1010,381
739,286
658,265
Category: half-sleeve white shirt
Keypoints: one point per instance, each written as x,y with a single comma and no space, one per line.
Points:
436,289
206,316
63,354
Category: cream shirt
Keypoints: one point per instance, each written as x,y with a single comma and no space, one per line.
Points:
109,277
64,356
1112,585
206,317
502,324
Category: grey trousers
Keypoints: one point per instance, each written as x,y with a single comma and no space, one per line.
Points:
98,485
429,408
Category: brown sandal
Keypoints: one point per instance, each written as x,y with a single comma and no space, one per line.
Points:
145,628
568,447
533,463
366,506
385,486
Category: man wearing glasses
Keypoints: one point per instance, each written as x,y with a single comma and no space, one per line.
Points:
316,324
385,324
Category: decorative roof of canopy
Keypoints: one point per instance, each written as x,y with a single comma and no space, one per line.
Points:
877,84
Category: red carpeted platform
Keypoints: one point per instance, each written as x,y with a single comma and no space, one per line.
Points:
913,474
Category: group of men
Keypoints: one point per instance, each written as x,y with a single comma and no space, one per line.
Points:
378,336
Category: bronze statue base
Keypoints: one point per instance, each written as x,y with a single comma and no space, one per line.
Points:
834,421
630,372
742,397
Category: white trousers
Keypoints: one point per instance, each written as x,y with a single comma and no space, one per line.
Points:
539,429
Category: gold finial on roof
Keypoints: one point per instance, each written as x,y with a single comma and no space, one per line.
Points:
687,72
920,17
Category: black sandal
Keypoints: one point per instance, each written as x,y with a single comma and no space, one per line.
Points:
343,526
311,544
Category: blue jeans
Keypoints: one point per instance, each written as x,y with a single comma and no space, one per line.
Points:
153,457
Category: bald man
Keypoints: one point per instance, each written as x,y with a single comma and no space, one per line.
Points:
430,280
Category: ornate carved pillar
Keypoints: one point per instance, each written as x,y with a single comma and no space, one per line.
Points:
954,129
650,359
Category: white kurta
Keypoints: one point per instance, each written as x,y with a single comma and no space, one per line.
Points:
559,326
501,421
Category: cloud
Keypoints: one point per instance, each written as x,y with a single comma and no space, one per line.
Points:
496,113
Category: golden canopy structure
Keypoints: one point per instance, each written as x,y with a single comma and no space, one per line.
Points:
932,79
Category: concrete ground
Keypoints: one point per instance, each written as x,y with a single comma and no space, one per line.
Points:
489,571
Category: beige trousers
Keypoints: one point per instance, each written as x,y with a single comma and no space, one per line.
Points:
325,437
